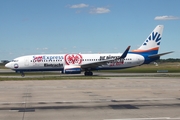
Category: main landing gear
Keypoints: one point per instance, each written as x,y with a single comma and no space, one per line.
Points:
88,73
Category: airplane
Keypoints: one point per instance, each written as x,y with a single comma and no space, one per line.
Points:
76,63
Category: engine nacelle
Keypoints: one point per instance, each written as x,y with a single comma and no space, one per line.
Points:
69,69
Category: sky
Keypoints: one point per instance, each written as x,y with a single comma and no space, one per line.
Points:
85,26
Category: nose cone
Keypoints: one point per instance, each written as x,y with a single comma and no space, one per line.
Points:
8,65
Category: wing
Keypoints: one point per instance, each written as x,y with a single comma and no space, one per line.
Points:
104,62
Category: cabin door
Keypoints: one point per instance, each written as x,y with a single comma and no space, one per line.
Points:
26,61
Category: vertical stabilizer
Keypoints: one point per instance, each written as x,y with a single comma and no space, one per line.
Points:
152,43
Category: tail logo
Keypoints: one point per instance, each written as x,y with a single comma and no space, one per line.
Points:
154,37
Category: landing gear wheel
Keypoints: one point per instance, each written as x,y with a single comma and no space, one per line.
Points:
22,74
88,73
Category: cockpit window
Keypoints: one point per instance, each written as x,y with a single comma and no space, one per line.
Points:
14,61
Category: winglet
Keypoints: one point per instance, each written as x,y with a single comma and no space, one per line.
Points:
125,52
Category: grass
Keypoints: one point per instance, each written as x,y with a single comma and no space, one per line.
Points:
2,66
51,78
150,68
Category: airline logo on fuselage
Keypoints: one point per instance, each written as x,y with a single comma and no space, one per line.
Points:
156,37
116,62
71,59
46,57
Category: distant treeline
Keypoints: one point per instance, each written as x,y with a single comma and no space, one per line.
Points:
4,61
169,60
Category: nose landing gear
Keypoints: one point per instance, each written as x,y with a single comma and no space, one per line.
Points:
21,72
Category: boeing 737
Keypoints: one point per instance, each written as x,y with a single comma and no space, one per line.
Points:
76,63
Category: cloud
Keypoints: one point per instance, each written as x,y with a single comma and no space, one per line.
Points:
74,47
42,48
45,48
82,5
10,53
94,10
166,18
115,48
90,51
99,10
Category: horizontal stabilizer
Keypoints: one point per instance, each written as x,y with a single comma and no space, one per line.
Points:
158,55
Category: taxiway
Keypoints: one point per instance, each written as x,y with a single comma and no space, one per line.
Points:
116,98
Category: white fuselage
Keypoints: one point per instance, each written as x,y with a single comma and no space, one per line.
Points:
51,62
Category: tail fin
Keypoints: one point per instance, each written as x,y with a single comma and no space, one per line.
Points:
152,43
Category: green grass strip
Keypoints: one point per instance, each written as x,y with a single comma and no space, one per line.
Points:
51,78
